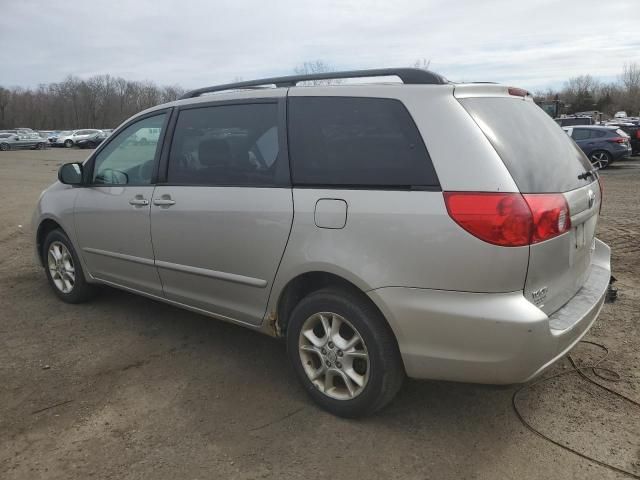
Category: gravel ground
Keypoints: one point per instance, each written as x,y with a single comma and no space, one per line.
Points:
125,387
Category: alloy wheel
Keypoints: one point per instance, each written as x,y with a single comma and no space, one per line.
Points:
334,355
61,269
600,160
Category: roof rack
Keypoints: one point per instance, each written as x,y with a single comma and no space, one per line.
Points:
413,76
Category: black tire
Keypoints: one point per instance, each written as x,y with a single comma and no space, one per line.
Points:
81,290
68,143
600,159
40,146
385,367
5,147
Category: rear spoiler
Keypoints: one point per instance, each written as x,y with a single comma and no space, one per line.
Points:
467,90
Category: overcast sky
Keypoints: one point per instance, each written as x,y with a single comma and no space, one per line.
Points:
530,43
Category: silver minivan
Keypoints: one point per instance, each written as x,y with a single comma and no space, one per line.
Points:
421,228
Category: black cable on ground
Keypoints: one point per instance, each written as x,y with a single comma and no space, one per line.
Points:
601,372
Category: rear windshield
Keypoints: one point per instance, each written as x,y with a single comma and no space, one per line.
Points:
539,155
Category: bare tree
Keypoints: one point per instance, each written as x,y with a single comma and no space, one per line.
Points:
422,63
630,80
96,102
5,96
317,66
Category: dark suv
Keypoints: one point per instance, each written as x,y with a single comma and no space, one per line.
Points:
603,145
634,133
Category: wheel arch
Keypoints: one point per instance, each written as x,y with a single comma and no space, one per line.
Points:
46,226
304,284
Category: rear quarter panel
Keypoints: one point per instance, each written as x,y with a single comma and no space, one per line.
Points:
396,238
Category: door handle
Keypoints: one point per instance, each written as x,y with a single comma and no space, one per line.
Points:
164,202
138,202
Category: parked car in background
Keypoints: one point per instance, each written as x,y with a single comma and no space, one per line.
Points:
92,141
15,141
146,136
26,131
74,136
569,121
359,227
621,114
602,145
53,138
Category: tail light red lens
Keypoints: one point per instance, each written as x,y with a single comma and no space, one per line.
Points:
509,219
550,215
638,133
618,140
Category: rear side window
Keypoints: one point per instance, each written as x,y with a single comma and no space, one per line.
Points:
356,142
539,155
581,134
227,145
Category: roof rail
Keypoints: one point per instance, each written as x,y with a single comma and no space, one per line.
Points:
407,75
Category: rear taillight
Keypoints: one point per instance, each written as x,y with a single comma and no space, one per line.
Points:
638,134
550,215
617,140
509,219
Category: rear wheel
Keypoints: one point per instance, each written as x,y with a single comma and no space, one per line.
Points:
344,353
600,159
64,270
5,146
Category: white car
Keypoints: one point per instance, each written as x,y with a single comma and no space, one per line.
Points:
70,138
620,115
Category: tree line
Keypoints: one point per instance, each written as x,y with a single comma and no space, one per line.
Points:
586,93
103,101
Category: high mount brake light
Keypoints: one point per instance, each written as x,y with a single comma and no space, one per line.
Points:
509,219
518,92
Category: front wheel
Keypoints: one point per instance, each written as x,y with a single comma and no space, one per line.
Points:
64,270
600,159
344,352
68,143
4,147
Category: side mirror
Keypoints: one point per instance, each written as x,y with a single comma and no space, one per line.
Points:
70,174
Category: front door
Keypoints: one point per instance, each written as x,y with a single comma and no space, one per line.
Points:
221,221
112,212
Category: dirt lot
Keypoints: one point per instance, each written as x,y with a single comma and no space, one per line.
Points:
125,387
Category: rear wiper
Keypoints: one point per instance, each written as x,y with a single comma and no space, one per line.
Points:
587,174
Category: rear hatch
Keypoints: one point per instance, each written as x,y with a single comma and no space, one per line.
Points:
542,159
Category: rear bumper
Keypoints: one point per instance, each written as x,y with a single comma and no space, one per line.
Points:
621,154
496,338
